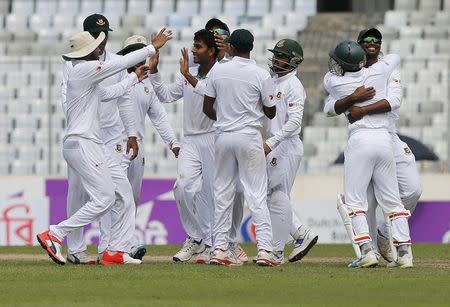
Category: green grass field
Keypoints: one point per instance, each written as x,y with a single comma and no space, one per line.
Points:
29,279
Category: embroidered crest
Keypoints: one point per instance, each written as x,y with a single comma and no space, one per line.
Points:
118,148
290,104
279,95
146,90
281,43
407,151
100,22
270,97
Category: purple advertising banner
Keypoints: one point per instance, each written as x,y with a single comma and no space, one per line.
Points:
430,222
157,219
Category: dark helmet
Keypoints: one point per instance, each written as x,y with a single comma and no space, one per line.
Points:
349,55
287,48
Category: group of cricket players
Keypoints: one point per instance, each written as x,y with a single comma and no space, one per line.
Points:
241,145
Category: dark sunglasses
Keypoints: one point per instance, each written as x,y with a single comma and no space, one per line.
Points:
371,39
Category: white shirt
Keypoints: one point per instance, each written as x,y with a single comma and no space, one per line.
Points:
394,97
289,97
148,103
241,88
375,76
194,120
83,93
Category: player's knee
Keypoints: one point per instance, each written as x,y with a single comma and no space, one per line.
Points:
108,198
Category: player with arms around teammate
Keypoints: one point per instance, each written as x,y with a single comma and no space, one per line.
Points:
284,150
369,153
147,103
193,189
407,174
242,92
84,150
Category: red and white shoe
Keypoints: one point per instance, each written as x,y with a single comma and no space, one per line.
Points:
266,258
52,245
110,258
224,257
241,255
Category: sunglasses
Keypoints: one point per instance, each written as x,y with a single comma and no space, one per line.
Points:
371,39
221,31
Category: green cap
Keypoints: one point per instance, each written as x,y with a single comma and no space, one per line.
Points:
242,40
288,47
349,55
96,23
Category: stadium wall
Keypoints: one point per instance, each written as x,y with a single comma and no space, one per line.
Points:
29,204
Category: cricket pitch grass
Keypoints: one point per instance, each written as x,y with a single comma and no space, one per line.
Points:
29,278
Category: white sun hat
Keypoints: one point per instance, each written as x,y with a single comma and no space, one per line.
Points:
82,44
133,43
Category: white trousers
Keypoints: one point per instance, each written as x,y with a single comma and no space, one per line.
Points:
103,182
369,157
282,166
77,196
193,189
240,158
135,172
408,183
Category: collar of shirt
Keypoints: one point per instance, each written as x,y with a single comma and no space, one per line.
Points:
287,76
243,60
76,62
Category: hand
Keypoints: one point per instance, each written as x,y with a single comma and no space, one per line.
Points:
132,143
267,149
161,38
363,94
153,63
176,151
184,61
221,42
142,72
355,114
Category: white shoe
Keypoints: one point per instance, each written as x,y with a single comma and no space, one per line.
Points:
404,261
204,257
138,252
384,247
224,257
80,258
239,252
266,258
302,246
189,249
369,260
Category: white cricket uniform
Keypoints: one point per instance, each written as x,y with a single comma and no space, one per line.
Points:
241,88
407,173
369,152
287,152
101,177
193,188
147,104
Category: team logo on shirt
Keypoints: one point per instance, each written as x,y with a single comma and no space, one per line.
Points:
396,80
146,90
119,148
279,95
273,162
98,68
100,22
290,104
270,97
407,151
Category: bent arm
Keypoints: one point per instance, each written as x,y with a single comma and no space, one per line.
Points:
167,92
108,93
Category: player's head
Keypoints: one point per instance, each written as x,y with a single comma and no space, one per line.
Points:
370,41
217,26
287,55
131,44
204,49
96,24
84,46
241,42
347,56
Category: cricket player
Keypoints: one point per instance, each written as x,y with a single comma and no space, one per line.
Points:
284,150
244,94
118,131
147,104
407,174
369,152
83,148
193,189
